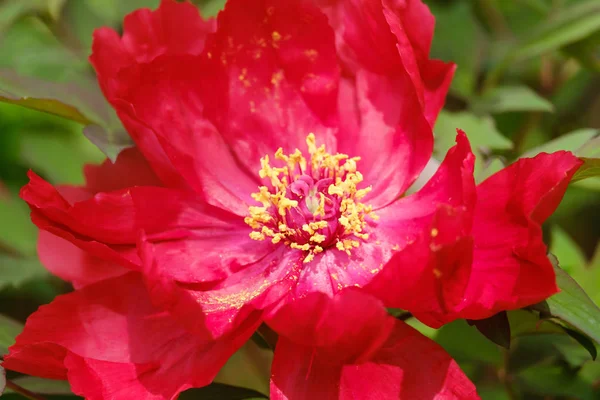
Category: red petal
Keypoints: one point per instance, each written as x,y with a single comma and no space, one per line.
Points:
390,133
173,29
109,225
68,261
130,169
113,343
361,352
412,24
432,231
510,267
224,305
399,91
452,185
430,276
278,68
170,111
73,264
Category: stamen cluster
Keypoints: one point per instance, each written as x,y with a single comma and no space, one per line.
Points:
311,205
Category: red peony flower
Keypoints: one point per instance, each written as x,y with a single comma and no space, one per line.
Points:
282,137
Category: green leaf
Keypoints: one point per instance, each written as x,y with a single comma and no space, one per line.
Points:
102,126
572,305
11,10
249,367
572,141
583,341
17,233
51,106
567,251
16,271
570,25
589,169
81,18
110,141
496,328
59,156
455,23
219,391
210,8
30,48
525,323
43,386
53,98
453,336
9,329
590,149
481,131
492,392
589,277
55,8
511,99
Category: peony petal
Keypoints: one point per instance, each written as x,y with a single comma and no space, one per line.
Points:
429,277
452,185
510,267
112,343
412,24
130,169
391,135
361,352
272,74
394,89
173,29
226,304
73,264
109,225
68,261
170,111
347,324
432,232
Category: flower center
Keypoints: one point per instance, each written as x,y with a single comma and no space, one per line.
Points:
311,205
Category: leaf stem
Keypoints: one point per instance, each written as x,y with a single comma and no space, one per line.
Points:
22,391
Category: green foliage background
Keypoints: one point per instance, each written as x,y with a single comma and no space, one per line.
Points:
528,81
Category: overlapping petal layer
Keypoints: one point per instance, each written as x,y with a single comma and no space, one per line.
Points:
110,342
455,271
358,351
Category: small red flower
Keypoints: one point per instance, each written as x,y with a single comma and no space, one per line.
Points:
282,137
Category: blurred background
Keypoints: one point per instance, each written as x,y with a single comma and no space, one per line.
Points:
528,80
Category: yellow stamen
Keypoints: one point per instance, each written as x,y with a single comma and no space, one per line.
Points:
273,218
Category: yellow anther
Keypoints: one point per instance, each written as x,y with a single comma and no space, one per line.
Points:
318,238
285,204
434,232
304,247
333,189
257,235
308,228
280,156
273,219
